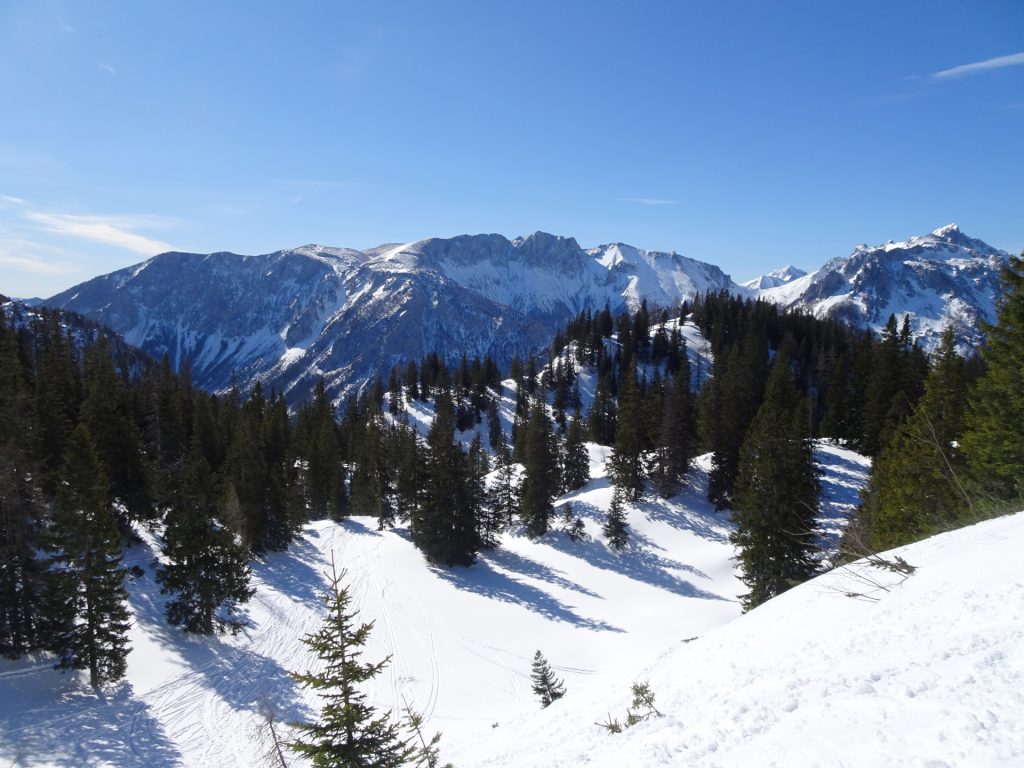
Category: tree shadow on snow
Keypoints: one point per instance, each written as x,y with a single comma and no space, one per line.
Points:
511,561
481,578
637,560
291,573
89,730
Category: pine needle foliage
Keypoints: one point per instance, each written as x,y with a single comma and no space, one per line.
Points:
349,732
546,685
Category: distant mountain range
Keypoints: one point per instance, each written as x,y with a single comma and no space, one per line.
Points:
291,317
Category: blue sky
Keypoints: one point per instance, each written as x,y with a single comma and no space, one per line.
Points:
747,134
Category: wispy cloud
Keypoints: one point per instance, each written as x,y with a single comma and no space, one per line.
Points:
652,201
12,199
34,258
999,62
106,68
118,231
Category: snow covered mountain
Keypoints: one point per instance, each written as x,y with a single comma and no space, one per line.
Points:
289,317
775,278
938,279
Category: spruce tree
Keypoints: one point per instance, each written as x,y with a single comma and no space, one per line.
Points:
776,499
539,472
206,568
728,404
615,528
917,482
349,732
86,577
674,446
626,464
546,685
444,526
576,457
994,439
505,494
21,507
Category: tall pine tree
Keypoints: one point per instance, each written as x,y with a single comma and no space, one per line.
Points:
776,499
206,569
86,576
993,438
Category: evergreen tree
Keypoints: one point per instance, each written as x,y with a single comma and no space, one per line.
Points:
728,404
505,494
994,439
540,482
916,485
206,569
86,577
546,686
776,499
105,412
674,446
495,434
615,528
21,507
576,457
626,465
349,732
444,527
317,443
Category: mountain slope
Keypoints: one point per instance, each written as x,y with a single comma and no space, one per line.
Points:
927,672
938,279
292,316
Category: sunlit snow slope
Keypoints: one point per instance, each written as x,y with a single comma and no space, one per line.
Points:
923,672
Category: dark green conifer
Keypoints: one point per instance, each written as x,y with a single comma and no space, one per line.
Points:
86,577
626,464
349,732
776,500
615,528
994,439
546,685
206,570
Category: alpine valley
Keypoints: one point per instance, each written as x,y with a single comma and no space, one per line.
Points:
295,316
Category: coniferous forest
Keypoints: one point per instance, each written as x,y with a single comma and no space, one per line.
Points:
95,440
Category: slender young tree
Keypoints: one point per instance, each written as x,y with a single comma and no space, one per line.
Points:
86,576
615,528
546,685
576,458
349,731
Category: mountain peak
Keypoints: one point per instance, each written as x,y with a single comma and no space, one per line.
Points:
949,229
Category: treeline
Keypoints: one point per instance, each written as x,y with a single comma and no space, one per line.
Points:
93,441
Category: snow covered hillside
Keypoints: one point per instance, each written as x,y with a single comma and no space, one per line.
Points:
462,639
943,278
926,671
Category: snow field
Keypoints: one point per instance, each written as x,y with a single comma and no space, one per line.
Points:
925,671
